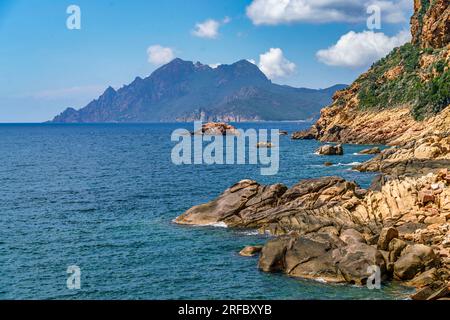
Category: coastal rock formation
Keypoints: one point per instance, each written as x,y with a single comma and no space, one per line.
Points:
307,207
374,150
330,229
217,129
330,150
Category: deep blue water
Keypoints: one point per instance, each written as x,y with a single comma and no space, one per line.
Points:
102,197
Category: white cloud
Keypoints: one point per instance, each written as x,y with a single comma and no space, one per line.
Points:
274,65
273,12
159,55
361,49
210,28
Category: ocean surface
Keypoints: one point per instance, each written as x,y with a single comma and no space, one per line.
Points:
103,197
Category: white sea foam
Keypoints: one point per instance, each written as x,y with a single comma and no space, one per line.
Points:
321,280
348,164
251,232
218,225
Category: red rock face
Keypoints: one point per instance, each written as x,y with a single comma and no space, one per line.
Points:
430,24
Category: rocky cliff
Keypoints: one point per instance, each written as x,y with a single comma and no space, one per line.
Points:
402,100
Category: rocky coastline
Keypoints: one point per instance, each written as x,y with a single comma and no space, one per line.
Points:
331,229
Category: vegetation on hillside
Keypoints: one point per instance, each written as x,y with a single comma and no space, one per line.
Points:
400,79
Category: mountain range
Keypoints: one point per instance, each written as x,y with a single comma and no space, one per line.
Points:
183,91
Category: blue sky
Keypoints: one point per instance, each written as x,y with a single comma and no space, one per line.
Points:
45,67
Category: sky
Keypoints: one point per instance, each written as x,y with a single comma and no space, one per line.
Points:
52,58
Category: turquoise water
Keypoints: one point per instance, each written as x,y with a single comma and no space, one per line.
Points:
102,197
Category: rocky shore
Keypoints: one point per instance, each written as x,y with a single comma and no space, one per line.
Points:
331,229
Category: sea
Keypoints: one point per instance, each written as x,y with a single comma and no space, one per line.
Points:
101,198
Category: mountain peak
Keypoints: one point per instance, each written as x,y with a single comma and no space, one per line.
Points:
181,90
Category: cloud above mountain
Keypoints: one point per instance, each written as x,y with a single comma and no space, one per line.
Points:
159,55
359,49
209,29
274,12
274,65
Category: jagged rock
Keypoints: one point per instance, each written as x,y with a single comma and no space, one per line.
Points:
374,150
250,251
386,235
430,25
422,294
424,279
443,291
330,150
414,259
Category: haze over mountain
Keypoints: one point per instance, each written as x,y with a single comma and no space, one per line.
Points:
184,91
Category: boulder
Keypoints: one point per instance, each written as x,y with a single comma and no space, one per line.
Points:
312,258
354,260
250,251
414,259
351,236
272,254
264,145
330,150
374,150
328,164
396,247
386,235
305,135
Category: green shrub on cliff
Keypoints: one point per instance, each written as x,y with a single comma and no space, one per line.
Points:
434,97
380,91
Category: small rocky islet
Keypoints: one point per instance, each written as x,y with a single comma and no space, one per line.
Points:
331,229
